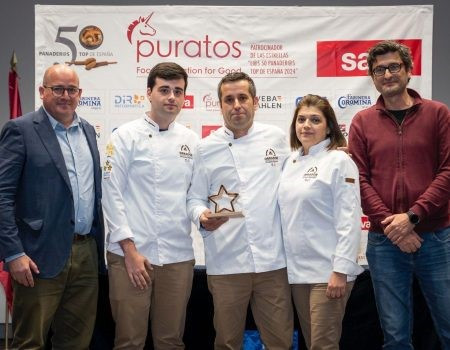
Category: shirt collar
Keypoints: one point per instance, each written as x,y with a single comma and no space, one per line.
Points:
317,148
155,125
56,124
230,135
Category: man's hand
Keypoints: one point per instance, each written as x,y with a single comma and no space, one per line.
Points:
397,226
136,264
410,243
21,270
336,285
211,224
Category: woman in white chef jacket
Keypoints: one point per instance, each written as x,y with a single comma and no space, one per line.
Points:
321,217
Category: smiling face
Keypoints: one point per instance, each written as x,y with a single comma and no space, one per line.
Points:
311,127
238,107
390,84
167,99
62,108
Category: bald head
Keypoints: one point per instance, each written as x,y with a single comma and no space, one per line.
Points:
58,69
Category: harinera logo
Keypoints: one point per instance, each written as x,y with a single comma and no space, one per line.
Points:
185,152
93,102
141,33
349,58
271,157
350,100
310,174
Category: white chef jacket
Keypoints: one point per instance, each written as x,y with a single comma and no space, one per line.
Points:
320,208
251,166
145,180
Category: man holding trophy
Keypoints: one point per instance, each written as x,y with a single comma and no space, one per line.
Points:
233,201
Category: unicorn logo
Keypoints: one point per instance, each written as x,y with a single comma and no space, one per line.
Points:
142,26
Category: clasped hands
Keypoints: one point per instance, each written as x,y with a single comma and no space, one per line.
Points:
401,232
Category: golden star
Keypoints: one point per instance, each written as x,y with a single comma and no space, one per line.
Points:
223,196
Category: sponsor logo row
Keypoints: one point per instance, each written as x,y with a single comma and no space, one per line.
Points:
210,102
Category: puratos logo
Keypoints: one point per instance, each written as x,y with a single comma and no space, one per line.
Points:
141,33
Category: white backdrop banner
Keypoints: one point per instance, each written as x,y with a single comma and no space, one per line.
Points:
289,51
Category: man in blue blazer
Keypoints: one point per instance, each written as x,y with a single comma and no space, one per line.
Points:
51,223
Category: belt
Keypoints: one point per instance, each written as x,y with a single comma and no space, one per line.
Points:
78,238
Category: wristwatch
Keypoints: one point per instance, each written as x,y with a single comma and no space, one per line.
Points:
413,218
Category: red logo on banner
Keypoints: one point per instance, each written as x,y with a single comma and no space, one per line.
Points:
188,102
208,129
349,58
365,224
142,26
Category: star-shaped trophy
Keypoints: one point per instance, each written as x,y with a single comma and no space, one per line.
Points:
224,204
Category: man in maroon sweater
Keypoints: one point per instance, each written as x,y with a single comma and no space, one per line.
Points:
402,148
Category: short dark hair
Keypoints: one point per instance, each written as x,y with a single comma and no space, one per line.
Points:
387,46
167,71
236,76
337,139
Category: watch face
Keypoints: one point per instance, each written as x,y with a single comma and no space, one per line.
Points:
413,218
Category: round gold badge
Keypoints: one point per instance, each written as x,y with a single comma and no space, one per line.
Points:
91,37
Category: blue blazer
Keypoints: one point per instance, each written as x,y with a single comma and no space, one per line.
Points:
37,215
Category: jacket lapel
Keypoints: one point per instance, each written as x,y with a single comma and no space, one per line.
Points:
91,139
48,137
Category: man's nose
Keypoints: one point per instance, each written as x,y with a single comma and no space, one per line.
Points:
387,73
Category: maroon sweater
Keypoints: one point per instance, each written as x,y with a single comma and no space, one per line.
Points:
404,167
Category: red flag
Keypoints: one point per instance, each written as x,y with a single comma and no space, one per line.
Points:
15,109
5,280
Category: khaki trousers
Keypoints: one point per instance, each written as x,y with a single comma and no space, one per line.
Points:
270,300
320,318
166,300
67,303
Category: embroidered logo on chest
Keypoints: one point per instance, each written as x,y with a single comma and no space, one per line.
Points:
185,152
271,157
311,174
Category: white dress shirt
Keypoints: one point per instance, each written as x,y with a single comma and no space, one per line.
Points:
145,180
321,215
251,166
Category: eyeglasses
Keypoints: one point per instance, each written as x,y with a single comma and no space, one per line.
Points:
165,91
393,68
58,91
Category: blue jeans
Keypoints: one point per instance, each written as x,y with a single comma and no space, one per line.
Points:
392,277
